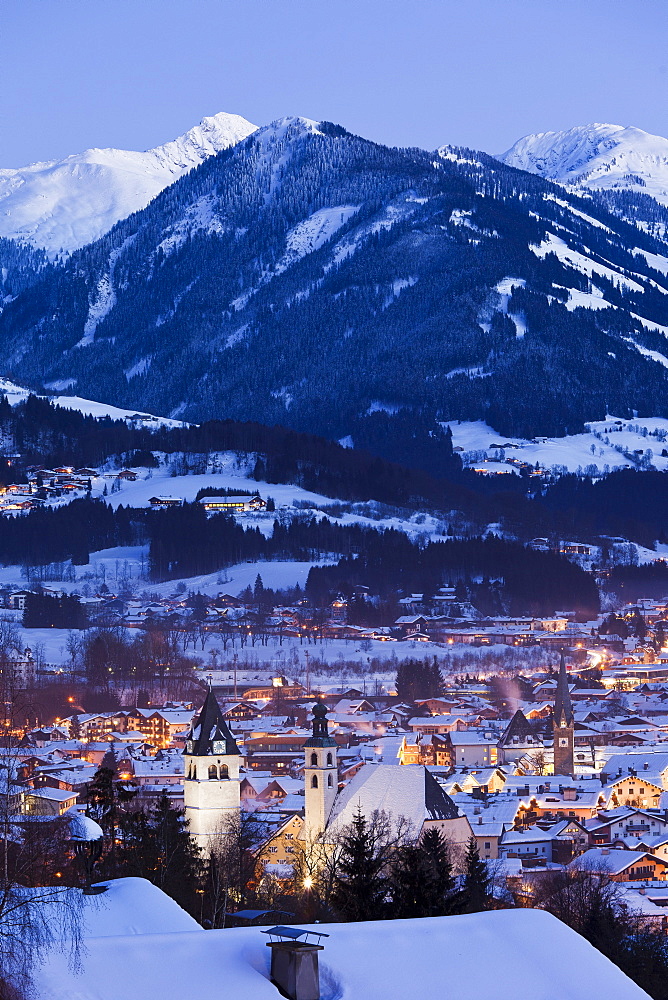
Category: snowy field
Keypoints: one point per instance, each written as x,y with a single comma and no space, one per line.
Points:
481,956
608,438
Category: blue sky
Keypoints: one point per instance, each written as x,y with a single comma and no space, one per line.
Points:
135,73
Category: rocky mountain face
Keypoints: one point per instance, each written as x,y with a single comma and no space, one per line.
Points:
308,277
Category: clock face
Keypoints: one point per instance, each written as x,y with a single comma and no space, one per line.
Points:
563,743
219,746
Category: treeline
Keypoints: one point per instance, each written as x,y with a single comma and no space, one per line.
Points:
185,542
44,611
526,581
627,503
47,535
633,582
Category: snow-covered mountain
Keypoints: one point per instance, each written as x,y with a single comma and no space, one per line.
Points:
311,278
598,157
65,204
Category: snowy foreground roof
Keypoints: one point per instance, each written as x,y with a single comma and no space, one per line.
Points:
479,956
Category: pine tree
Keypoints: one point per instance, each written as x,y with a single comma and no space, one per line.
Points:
474,892
177,857
435,847
360,884
157,846
419,679
422,878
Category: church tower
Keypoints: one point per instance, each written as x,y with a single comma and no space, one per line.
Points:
563,725
211,787
321,774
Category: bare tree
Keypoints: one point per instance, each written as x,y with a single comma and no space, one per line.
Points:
232,867
36,910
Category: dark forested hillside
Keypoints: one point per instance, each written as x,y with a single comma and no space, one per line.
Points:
20,267
310,278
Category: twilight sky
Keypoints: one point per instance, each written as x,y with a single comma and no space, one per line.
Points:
482,73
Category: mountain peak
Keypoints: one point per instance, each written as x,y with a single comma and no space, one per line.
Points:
213,134
596,156
65,204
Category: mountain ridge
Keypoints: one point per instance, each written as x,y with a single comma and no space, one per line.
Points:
595,157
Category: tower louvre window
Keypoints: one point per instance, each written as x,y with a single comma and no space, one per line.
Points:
314,781
213,772
329,781
224,771
329,760
314,759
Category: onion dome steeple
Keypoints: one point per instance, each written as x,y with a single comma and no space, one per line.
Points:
320,737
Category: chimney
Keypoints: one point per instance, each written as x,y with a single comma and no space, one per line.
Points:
605,850
294,963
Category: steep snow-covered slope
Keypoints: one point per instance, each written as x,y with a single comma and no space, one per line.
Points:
89,407
599,157
64,204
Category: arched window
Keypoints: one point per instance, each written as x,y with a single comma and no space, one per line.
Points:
314,760
314,781
195,772
190,772
329,760
213,773
329,781
224,771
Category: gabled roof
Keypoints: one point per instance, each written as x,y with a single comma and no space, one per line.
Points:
398,790
210,727
519,726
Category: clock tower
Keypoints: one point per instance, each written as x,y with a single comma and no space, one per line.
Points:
211,786
563,725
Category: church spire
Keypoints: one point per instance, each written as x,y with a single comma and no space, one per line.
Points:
210,733
563,710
